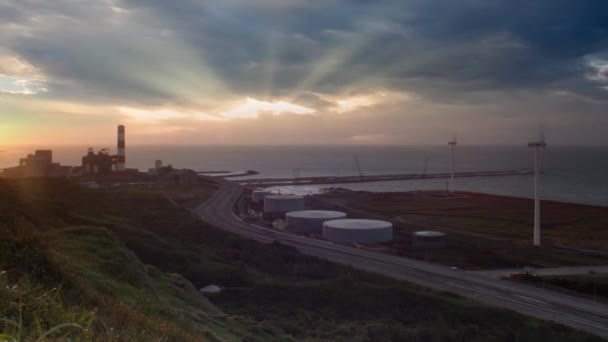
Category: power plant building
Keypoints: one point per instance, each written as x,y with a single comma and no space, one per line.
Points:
97,163
281,204
121,149
38,164
103,162
310,221
429,240
358,231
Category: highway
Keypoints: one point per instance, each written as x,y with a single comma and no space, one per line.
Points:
572,311
549,271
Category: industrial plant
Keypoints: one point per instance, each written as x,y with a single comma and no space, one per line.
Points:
278,205
38,164
258,196
103,163
429,240
288,213
310,221
358,231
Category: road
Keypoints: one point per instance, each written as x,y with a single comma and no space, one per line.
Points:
571,311
549,271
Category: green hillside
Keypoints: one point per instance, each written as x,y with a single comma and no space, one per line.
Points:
125,264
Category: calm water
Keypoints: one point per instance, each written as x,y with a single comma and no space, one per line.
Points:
572,174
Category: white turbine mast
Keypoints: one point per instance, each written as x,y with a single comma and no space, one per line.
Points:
538,146
452,143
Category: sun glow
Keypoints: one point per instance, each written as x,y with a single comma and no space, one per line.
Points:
248,108
158,115
251,108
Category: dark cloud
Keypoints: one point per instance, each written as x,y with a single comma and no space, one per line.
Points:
465,52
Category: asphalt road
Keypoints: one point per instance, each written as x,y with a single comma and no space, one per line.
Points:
571,311
549,271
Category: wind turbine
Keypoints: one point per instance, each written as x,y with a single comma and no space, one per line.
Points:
452,144
537,146
358,166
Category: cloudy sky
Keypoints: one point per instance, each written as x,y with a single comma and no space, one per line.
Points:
303,71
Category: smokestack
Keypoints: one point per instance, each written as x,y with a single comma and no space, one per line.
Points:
122,157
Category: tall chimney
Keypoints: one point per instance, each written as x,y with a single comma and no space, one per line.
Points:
122,157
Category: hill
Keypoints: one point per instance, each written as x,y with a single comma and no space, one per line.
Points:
125,263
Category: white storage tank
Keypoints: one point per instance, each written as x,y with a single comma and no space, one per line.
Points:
310,221
258,196
281,204
429,240
358,231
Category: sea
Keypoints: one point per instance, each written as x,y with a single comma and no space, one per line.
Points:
576,174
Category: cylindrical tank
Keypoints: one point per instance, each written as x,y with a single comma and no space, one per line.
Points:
429,240
258,196
310,221
281,204
358,231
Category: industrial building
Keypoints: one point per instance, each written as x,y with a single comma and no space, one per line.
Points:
258,196
358,231
38,164
156,171
278,205
102,163
310,221
429,240
121,157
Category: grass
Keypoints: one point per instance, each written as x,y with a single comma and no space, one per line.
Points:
125,265
592,285
96,282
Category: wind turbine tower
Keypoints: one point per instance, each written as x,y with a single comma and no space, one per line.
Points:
453,144
537,146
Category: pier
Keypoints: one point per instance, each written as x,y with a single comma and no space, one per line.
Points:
267,182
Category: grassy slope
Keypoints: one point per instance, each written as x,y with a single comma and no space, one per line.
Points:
54,242
594,286
119,261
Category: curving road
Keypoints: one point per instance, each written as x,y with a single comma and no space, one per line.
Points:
571,311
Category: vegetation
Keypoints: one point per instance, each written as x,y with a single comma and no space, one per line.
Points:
125,264
592,285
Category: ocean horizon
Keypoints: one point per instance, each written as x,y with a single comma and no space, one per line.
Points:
574,174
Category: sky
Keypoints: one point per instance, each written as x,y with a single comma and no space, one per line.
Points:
401,72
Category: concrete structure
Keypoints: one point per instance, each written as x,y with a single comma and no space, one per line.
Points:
121,151
310,221
258,196
38,164
429,240
358,231
281,204
158,166
97,163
